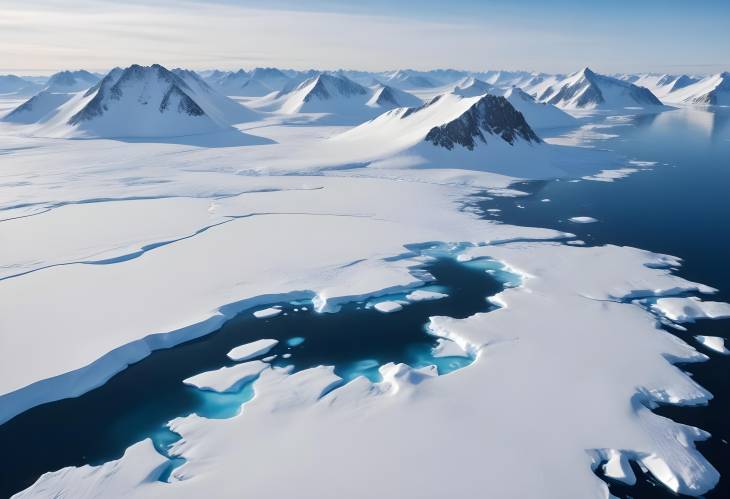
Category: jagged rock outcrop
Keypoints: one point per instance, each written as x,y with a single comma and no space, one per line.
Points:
490,115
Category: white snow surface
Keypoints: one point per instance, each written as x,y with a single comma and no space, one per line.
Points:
112,478
267,312
583,220
447,348
227,378
538,114
251,350
425,295
689,309
38,108
388,307
711,90
715,343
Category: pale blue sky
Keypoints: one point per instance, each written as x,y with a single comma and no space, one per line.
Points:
553,36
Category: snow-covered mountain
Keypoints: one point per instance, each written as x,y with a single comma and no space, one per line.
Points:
507,78
471,87
325,93
337,95
142,101
538,114
588,90
387,97
661,85
273,78
134,102
228,83
215,104
713,90
408,80
473,132
38,108
71,81
12,84
257,83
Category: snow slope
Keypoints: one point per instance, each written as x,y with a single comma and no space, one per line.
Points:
325,93
661,85
471,87
272,78
15,85
448,121
338,96
476,133
142,101
257,83
218,106
71,81
713,90
385,97
38,108
538,114
228,83
408,80
588,90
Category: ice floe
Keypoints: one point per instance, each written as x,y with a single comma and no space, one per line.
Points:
251,350
688,309
267,312
583,220
715,343
424,295
227,378
388,307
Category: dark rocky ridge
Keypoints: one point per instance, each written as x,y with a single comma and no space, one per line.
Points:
490,115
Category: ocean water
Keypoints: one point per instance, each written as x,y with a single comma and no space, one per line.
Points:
679,206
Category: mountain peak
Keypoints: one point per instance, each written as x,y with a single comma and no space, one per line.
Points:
326,86
71,81
587,72
472,87
490,115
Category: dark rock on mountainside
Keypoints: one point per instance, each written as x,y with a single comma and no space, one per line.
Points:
491,115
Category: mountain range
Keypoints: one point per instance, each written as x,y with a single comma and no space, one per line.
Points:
153,101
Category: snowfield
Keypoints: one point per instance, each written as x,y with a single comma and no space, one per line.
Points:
115,248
